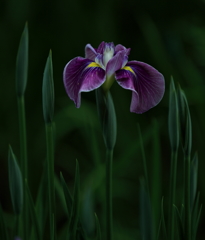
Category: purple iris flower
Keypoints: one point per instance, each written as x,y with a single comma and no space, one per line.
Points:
102,65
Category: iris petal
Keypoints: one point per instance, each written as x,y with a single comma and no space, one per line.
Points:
145,82
82,75
90,52
116,63
120,47
100,48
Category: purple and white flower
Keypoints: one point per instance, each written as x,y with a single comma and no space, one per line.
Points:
107,63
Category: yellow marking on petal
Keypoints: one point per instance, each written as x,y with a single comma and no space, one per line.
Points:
93,64
128,69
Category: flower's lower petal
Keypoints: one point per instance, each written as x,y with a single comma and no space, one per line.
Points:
82,75
145,82
90,52
117,62
99,60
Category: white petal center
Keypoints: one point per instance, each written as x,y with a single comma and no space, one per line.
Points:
107,54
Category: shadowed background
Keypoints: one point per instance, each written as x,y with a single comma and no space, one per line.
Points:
168,35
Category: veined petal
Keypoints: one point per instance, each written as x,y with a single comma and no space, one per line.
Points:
100,48
120,47
99,60
90,52
82,75
145,82
117,62
108,52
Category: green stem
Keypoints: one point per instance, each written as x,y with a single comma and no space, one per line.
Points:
50,167
109,217
172,194
23,161
144,160
187,217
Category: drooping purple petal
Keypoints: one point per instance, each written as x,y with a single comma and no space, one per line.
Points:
117,62
145,82
120,47
90,52
99,60
82,75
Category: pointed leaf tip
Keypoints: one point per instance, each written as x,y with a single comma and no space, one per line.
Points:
15,182
98,231
48,91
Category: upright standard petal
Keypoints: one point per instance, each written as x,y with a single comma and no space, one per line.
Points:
90,52
145,82
117,62
101,47
108,52
120,47
82,75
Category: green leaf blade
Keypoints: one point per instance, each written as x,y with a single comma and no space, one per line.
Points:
75,206
33,213
15,183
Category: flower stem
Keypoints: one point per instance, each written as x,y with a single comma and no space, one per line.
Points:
109,217
50,167
23,162
187,218
172,194
143,159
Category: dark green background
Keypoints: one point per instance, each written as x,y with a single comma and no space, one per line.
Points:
169,35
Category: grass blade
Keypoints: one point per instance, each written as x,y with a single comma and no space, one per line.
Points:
15,183
146,221
67,195
33,213
179,223
98,231
75,206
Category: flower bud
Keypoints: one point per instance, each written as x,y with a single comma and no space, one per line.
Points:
48,91
185,123
173,120
22,63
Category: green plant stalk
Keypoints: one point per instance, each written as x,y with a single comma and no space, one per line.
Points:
109,216
172,194
187,213
23,161
50,168
143,159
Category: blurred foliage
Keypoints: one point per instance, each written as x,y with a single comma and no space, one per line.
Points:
168,35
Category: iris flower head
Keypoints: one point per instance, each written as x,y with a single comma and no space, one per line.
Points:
107,63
